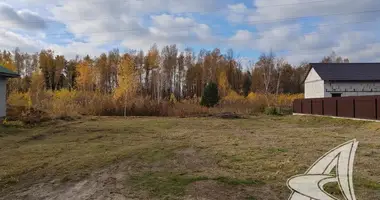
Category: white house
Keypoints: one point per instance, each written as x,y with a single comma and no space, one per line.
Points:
4,75
342,79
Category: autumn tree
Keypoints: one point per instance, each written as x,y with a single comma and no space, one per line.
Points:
139,66
71,73
112,66
7,61
192,73
169,66
57,72
234,71
180,75
36,88
47,66
224,86
127,81
159,74
85,79
103,74
151,62
247,82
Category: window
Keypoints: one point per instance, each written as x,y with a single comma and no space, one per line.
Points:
336,94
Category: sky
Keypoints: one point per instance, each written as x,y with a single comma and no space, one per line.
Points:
296,30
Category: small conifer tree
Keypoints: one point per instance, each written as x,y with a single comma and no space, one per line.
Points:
210,95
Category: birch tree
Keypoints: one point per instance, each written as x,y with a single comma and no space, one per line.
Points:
127,81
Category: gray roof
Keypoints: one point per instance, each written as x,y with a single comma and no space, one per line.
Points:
347,71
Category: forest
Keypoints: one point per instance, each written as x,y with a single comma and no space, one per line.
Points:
142,83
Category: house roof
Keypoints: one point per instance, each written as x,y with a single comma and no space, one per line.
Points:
7,73
347,71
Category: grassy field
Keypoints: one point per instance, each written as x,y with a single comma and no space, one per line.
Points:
178,158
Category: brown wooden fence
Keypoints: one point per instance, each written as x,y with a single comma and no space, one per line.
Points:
363,107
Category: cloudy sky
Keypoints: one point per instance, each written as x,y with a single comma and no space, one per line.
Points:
298,30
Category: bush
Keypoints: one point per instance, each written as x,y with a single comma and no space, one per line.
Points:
210,95
272,111
233,96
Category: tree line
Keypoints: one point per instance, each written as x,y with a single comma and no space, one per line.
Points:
157,74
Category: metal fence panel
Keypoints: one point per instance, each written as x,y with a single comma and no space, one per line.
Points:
365,107
329,106
317,105
306,106
297,106
346,107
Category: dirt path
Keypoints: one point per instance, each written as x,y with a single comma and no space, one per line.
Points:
109,183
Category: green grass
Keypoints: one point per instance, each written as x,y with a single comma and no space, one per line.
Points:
164,184
174,184
165,157
233,181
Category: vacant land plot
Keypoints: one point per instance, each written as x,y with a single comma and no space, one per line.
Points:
173,158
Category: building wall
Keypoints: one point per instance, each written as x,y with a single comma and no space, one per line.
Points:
352,88
314,85
2,96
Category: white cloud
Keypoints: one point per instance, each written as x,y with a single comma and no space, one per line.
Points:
280,9
168,29
241,37
120,20
279,28
75,48
237,12
137,24
25,19
9,38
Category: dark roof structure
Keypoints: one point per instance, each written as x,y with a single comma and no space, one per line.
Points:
7,73
347,71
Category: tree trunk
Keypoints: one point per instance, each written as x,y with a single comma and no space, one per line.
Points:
125,109
278,86
147,81
125,106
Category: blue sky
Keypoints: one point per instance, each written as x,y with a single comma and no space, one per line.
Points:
297,30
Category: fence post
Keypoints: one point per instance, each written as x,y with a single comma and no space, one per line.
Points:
323,106
336,108
293,107
311,106
301,106
376,101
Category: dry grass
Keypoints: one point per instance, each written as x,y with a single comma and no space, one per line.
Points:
173,158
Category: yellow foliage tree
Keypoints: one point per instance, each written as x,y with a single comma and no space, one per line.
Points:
37,86
223,84
85,76
127,80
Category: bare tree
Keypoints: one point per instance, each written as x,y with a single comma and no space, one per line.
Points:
280,62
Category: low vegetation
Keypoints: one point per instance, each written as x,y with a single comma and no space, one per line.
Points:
177,158
64,104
